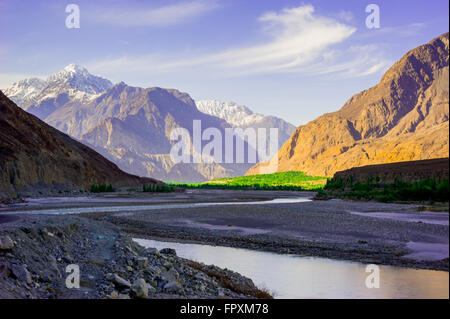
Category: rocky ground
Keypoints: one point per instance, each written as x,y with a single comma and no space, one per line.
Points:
34,254
36,248
334,229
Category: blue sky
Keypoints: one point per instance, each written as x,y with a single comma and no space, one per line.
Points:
293,59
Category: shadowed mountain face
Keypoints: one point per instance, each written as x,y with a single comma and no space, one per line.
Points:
35,156
403,118
131,126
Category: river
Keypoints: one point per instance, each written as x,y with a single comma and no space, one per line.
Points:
289,276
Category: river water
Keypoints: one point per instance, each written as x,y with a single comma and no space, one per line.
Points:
111,208
289,276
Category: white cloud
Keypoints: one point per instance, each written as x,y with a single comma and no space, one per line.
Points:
135,15
408,30
297,41
354,61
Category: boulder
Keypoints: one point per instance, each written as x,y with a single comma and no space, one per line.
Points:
168,251
21,273
142,262
120,282
6,243
139,289
173,287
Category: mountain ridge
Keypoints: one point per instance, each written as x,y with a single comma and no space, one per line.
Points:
404,117
36,157
74,80
240,116
129,125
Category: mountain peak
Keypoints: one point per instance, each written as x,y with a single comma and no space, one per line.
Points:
75,69
73,79
405,117
229,111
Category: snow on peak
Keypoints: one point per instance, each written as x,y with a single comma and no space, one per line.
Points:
25,91
234,114
74,79
75,68
77,78
241,116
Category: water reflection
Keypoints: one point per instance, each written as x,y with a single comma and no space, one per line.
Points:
307,277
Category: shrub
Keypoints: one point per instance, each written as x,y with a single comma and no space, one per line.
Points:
102,188
157,189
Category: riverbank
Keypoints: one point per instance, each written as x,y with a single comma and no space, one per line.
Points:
35,251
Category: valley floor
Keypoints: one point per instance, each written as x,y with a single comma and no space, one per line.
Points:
368,232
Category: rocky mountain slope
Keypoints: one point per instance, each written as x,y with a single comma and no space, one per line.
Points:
403,118
71,83
241,116
130,126
35,156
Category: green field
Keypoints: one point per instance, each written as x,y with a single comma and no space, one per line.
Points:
291,181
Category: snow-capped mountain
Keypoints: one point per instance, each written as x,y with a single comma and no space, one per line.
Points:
74,80
78,78
131,125
25,91
241,116
234,114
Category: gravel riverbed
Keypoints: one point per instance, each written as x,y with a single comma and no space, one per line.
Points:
36,249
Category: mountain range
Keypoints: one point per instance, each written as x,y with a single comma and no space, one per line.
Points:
36,157
405,117
239,116
131,126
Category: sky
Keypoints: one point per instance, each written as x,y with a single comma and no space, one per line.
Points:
288,58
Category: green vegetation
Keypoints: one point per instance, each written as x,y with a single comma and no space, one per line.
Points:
102,188
289,181
432,190
157,189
